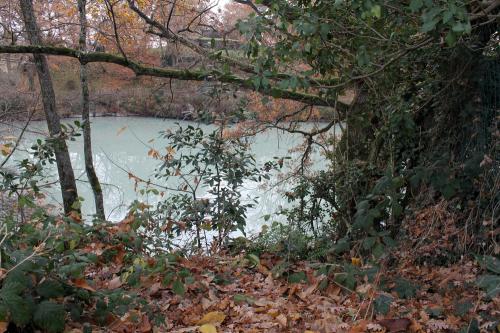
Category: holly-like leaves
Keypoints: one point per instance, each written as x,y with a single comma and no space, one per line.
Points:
50,316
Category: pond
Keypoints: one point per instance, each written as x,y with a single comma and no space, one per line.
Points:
121,144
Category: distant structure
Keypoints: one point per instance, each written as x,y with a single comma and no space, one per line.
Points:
184,57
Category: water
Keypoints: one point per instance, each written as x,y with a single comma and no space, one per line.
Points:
120,145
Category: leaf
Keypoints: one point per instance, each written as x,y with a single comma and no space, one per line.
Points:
254,260
490,263
3,326
5,149
405,289
121,130
214,317
382,304
178,287
239,298
82,283
50,316
115,283
376,11
50,289
282,320
490,283
20,308
356,261
429,25
415,5
462,308
207,328
396,325
297,277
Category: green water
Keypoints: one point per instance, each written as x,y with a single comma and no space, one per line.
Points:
120,145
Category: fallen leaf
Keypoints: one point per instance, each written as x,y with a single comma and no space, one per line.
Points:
356,261
207,328
6,150
115,283
273,313
214,317
82,283
120,130
373,327
282,320
145,325
395,325
3,326
360,327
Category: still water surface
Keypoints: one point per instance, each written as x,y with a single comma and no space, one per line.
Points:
122,143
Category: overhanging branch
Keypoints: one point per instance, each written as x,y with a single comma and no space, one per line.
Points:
179,74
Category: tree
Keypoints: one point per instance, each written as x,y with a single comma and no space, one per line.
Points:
408,65
87,141
63,161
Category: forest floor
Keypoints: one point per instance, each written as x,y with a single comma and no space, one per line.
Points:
240,294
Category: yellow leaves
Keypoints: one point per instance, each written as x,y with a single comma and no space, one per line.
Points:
207,328
209,321
5,149
356,261
214,317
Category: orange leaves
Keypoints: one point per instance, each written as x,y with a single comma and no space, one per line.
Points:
82,283
154,154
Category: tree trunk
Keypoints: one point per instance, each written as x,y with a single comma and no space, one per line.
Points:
64,168
87,143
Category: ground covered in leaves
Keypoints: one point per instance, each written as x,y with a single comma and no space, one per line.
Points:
250,294
67,276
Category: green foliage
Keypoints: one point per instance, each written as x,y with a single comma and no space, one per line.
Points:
50,316
405,289
382,303
209,172
490,282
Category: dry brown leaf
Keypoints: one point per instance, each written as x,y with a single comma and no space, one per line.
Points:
115,283
273,313
282,320
145,325
396,325
374,327
3,326
306,293
360,327
214,317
